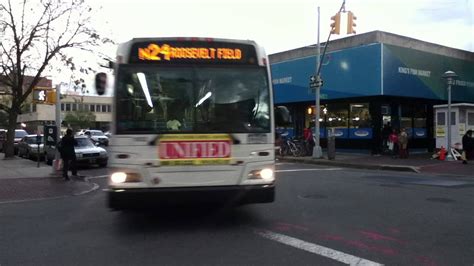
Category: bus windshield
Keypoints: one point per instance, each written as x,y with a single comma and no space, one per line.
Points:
191,99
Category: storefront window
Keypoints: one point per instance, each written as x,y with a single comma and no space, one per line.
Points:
470,119
441,118
406,117
337,116
360,116
419,121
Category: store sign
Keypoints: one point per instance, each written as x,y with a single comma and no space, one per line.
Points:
419,132
440,131
360,133
462,129
199,149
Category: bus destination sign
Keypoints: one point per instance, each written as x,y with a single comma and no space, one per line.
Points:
193,52
167,52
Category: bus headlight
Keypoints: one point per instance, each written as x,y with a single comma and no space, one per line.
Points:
265,174
118,177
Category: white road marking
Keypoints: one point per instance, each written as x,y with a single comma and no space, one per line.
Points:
99,176
317,249
309,169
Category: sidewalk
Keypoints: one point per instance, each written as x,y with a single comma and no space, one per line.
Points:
21,179
420,163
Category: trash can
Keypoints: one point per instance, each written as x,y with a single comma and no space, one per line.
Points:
331,145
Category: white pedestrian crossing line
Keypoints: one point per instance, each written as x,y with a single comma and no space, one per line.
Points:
317,249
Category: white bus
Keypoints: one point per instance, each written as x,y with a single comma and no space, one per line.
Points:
193,122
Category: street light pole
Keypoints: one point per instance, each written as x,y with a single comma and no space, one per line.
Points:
317,151
57,122
449,76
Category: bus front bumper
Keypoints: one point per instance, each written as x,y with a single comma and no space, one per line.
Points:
226,195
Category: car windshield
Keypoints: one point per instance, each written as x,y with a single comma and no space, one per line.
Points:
97,133
20,133
33,140
84,142
198,100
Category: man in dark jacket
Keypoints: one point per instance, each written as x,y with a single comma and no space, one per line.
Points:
68,154
467,146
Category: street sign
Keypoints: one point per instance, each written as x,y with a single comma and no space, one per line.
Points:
315,82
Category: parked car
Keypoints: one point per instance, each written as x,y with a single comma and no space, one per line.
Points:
28,147
86,153
19,134
96,136
3,138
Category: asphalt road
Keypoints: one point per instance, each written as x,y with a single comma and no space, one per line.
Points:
322,216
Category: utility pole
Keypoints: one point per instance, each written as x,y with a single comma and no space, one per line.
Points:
317,151
450,77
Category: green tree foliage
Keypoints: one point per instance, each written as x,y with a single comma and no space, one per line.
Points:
35,36
80,119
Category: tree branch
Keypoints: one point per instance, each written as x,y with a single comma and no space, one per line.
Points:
4,107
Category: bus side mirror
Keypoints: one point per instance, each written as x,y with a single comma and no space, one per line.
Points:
100,83
282,115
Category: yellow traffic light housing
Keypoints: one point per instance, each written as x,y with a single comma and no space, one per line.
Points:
51,97
336,24
351,22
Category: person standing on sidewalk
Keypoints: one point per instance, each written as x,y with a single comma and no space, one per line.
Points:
386,131
403,143
393,143
467,146
308,140
68,154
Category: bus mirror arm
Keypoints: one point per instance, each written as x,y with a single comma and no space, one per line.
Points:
153,141
234,139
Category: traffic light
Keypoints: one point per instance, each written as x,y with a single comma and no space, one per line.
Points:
44,95
100,83
336,24
51,97
351,23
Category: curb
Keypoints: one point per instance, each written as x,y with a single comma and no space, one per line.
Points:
86,180
386,167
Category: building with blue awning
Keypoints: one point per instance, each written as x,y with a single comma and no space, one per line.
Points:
371,80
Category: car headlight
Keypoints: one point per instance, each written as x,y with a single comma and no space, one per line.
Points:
103,152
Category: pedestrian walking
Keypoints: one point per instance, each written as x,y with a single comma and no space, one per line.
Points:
403,144
68,154
467,147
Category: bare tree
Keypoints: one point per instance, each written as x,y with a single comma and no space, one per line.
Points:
37,33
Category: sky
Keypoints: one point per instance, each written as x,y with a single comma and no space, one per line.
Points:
280,25
277,25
